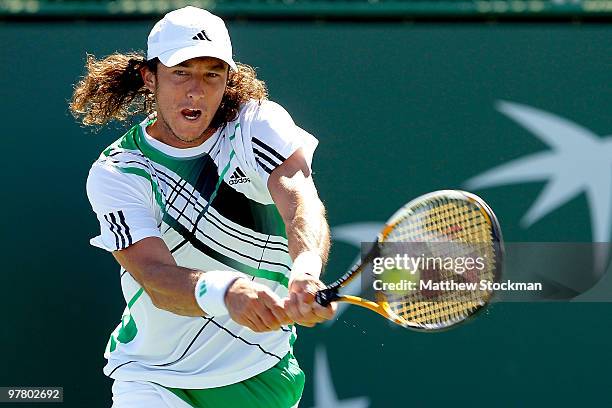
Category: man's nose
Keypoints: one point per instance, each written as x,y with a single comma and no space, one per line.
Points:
196,89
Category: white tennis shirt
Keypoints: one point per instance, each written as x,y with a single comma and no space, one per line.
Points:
211,206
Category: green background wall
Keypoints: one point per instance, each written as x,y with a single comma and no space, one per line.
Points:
400,109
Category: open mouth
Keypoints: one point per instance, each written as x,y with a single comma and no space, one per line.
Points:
191,114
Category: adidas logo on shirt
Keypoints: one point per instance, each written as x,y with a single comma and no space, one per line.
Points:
238,177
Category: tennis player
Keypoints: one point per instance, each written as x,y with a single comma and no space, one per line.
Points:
209,206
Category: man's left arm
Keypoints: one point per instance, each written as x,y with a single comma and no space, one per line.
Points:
295,195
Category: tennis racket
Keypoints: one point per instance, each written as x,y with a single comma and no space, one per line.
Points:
438,227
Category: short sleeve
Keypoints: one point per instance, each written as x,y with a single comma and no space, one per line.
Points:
123,206
275,137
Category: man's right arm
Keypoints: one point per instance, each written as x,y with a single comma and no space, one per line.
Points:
168,285
129,229
172,287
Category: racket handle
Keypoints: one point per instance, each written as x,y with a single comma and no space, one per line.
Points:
326,296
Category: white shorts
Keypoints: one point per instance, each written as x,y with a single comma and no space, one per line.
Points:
134,394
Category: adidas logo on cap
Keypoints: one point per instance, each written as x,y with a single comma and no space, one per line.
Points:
201,36
238,177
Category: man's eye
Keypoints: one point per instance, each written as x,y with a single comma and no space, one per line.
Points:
213,75
180,73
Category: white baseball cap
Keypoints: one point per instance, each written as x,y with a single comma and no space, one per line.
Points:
189,32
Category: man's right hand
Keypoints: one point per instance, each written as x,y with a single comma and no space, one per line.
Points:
255,306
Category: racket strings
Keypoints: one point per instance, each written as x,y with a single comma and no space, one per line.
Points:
433,315
448,228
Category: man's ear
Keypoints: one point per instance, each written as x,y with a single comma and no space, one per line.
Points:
148,77
230,74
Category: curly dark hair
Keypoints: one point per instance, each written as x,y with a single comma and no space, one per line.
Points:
113,89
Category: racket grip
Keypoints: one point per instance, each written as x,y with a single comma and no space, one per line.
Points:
326,296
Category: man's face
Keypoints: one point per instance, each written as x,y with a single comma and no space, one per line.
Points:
187,97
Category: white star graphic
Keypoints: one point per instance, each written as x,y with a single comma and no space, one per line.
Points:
578,162
324,392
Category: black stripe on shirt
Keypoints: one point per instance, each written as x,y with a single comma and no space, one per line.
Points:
266,242
179,246
119,366
195,228
115,161
206,249
178,189
127,229
112,216
112,228
263,166
261,155
269,149
187,349
240,338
